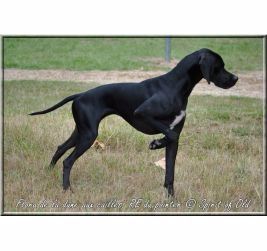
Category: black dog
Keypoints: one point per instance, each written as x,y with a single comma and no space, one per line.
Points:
156,105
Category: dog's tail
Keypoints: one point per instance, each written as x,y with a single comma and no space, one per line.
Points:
61,103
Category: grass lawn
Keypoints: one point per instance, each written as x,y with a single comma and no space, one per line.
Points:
239,54
220,156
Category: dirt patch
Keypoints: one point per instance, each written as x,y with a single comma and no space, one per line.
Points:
158,62
250,84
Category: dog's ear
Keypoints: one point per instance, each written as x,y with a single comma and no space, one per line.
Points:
206,67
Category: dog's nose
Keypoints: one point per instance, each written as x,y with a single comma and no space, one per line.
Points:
235,78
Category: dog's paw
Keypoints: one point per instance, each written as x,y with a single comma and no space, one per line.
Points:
155,144
68,190
169,191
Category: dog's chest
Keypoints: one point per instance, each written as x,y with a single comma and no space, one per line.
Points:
177,119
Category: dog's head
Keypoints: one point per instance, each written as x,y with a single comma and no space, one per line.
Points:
212,69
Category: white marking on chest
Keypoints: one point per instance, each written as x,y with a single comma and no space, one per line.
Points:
177,119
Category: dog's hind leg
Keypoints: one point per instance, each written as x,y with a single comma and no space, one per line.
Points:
64,147
84,142
87,122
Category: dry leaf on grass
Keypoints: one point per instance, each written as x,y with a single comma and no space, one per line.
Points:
161,163
99,145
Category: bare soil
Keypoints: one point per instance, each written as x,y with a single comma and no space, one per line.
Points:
250,84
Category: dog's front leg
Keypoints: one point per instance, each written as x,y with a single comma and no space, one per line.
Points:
155,107
170,157
171,152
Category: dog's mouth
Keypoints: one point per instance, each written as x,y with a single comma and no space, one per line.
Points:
229,83
232,83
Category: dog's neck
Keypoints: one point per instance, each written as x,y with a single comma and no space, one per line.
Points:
187,82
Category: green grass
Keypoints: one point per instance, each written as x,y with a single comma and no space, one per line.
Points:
240,54
220,155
